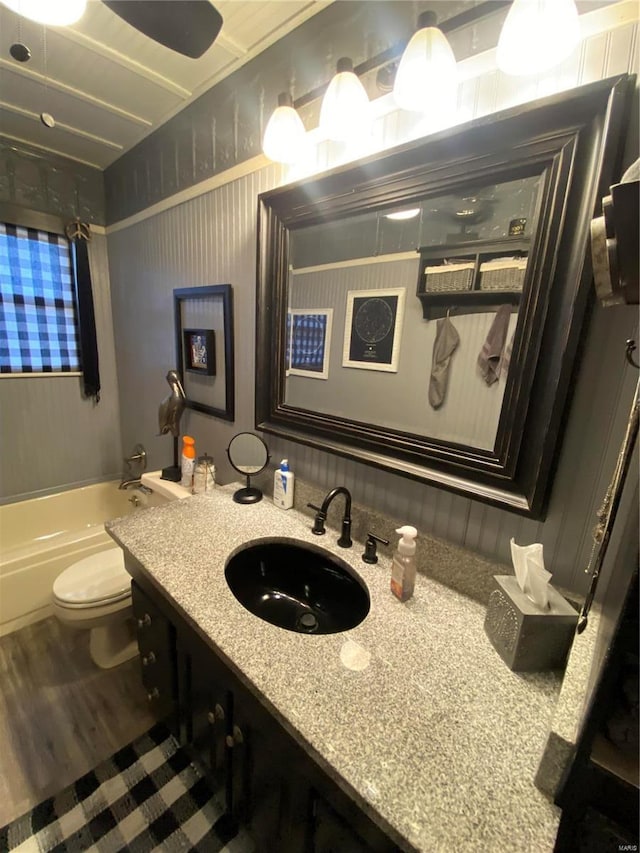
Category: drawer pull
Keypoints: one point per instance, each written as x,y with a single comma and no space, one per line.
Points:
235,739
148,659
144,621
153,694
216,714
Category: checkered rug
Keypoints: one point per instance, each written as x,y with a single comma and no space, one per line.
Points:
147,797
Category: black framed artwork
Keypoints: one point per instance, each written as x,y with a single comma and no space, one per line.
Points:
199,351
373,329
203,318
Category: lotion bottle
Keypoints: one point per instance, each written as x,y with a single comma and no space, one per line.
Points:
283,481
403,566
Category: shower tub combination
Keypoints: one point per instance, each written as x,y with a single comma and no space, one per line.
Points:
41,537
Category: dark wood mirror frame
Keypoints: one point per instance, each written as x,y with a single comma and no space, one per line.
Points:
574,141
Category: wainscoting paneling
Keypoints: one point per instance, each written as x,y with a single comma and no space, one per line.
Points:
51,436
211,239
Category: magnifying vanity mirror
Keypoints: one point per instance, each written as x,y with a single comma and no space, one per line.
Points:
420,311
249,455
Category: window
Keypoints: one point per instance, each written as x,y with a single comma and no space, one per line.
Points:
38,314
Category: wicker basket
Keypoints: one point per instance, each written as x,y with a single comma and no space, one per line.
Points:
503,274
449,277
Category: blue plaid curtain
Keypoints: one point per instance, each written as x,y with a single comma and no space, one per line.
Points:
38,321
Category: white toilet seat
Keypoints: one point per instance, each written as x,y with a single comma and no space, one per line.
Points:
94,582
95,594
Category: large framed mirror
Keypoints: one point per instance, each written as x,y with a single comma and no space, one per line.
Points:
421,310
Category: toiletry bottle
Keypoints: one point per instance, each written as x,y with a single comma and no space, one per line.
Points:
403,566
283,481
188,461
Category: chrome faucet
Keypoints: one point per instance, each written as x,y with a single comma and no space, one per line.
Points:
321,516
134,481
138,459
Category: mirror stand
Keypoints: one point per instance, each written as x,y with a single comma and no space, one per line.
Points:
249,455
248,495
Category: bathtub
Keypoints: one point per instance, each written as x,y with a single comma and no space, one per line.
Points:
41,537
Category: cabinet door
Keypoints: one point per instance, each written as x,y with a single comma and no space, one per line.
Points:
156,644
346,830
262,769
332,834
205,707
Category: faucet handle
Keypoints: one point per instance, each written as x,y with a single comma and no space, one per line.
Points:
318,522
370,555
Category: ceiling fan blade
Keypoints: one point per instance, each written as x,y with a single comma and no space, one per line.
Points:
187,26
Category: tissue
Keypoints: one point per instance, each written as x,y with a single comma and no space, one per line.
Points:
533,579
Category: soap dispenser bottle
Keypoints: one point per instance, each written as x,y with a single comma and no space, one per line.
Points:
403,566
283,481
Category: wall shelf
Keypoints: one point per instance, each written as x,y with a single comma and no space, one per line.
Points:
471,277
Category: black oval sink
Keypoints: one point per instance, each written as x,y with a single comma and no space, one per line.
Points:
298,588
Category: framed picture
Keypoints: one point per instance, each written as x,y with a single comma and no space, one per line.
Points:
203,318
200,351
308,342
373,328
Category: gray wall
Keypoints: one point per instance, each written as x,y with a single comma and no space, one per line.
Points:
50,184
53,438
399,400
212,239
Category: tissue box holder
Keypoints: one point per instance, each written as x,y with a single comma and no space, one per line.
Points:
527,638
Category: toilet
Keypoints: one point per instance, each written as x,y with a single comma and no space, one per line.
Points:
95,593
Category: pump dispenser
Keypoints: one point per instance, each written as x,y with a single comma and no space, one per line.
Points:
403,566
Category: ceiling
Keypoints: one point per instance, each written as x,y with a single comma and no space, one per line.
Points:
108,86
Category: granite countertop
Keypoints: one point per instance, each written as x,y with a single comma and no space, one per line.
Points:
435,735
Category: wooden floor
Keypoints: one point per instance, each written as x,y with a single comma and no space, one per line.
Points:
59,714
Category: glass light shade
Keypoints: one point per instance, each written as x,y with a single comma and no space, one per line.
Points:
536,35
403,214
55,13
284,136
345,113
427,76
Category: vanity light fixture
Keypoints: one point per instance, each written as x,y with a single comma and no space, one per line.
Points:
54,13
403,214
345,113
537,35
284,136
427,76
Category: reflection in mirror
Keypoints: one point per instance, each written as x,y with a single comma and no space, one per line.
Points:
420,310
249,455
351,306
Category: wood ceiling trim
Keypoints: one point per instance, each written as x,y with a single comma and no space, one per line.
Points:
75,131
112,55
52,84
50,150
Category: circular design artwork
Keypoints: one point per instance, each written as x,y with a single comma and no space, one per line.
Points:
374,320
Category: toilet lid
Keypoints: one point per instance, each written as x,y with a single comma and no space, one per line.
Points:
98,578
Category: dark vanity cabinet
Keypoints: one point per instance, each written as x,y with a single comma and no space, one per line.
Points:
472,276
157,651
271,785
